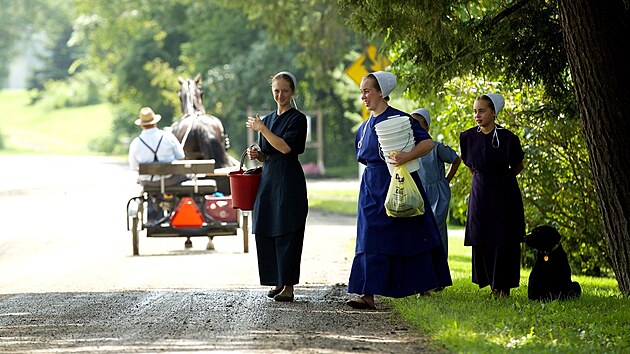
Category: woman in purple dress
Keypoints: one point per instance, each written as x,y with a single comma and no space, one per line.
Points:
394,256
496,223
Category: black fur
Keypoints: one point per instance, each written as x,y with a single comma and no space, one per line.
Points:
550,278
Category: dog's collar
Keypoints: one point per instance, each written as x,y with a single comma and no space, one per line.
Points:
547,253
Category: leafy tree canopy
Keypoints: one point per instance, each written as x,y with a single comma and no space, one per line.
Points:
434,41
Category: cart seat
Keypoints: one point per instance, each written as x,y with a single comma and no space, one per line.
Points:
204,186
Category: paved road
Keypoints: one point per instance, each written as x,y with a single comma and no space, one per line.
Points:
68,281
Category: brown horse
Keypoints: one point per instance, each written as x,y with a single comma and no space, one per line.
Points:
201,134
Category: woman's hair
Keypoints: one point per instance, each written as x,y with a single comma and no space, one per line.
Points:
286,78
487,99
376,84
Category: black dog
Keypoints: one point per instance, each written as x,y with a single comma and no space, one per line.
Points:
550,278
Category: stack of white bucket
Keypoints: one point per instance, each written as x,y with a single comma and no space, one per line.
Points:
395,134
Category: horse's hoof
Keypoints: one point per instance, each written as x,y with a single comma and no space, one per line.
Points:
210,246
188,244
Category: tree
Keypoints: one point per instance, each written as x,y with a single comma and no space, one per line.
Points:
315,31
20,20
138,46
13,27
521,42
597,35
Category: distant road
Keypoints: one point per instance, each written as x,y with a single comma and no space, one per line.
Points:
64,229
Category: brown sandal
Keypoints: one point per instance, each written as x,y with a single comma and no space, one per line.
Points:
360,304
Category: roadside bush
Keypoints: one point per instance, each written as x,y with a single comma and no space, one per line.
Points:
83,89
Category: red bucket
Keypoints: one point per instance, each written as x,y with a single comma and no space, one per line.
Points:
244,187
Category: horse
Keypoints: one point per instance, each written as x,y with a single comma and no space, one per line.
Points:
201,134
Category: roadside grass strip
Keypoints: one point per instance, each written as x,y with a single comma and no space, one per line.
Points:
464,318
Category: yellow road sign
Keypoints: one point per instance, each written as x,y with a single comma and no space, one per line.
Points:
368,62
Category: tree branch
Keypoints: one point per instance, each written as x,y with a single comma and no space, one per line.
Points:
507,12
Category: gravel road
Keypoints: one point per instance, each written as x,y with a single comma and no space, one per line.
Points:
69,284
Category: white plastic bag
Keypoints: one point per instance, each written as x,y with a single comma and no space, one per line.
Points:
403,197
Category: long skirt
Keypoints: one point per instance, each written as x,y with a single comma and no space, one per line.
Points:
497,266
279,258
399,276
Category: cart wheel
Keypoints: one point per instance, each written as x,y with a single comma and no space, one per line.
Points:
135,234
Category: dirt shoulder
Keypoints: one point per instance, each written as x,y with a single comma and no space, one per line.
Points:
239,321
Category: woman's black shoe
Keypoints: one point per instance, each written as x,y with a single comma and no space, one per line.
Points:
284,298
273,292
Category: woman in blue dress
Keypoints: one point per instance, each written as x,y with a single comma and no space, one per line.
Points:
433,176
495,226
394,257
281,204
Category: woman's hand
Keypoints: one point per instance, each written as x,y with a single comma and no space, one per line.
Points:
399,158
255,123
253,153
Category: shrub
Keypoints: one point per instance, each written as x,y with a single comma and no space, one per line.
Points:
83,89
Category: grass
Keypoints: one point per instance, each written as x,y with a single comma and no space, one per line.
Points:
337,201
466,319
29,128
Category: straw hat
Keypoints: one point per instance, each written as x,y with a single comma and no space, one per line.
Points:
147,117
497,100
424,113
386,80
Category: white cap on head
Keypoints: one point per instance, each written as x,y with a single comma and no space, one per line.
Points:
386,80
424,113
497,100
290,75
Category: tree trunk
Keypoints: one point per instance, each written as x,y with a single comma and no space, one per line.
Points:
597,40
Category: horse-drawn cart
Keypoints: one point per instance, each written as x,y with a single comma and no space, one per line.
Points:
188,209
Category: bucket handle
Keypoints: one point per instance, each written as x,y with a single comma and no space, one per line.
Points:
257,147
380,149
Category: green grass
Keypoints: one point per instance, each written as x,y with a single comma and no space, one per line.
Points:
336,201
466,319
31,129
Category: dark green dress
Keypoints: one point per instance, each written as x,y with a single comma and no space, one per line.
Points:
281,203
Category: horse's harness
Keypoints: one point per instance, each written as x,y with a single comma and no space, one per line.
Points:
189,128
195,115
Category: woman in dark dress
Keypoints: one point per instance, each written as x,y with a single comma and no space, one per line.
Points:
394,256
281,203
496,223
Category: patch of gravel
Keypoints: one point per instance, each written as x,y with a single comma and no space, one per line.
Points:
235,321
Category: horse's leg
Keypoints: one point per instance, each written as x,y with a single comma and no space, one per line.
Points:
210,245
